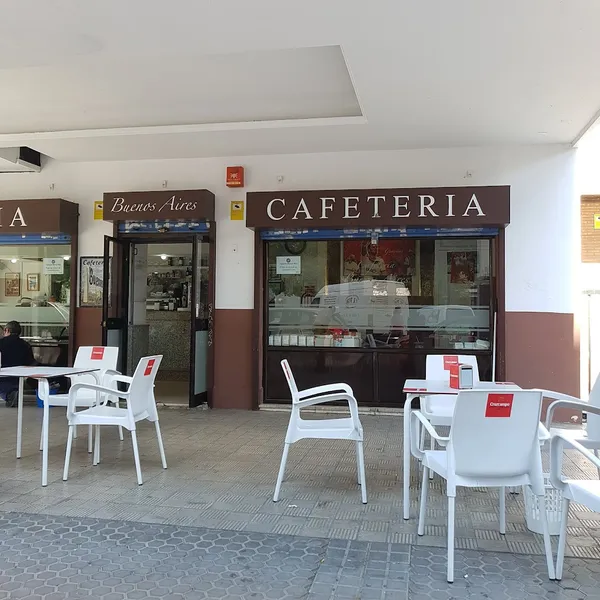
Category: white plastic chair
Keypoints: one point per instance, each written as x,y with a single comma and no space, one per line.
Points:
349,428
477,453
141,405
582,491
103,358
439,408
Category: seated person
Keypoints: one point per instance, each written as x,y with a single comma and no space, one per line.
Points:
14,352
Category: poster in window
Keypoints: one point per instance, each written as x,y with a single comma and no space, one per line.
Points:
12,284
462,266
92,281
389,259
33,282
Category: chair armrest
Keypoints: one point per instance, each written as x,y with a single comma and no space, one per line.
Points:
341,397
326,389
557,444
417,414
90,386
578,404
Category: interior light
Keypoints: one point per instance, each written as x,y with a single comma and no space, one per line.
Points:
163,256
13,260
67,257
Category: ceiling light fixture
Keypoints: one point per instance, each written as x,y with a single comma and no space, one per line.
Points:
13,260
163,256
66,257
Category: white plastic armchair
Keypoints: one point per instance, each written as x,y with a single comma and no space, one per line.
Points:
582,491
349,428
140,405
104,360
476,454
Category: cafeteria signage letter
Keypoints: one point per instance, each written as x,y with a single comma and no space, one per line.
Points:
54,266
288,265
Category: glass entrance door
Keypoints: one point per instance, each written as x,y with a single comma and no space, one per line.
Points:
202,321
115,296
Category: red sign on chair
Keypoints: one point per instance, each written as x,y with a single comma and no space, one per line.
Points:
97,353
449,361
499,405
149,367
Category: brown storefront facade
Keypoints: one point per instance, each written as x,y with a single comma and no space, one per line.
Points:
360,285
38,271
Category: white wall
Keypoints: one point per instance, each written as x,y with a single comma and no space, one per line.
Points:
541,240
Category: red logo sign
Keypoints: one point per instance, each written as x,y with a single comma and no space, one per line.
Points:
97,353
149,367
449,361
499,405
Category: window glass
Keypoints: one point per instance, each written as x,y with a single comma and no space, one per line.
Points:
402,293
35,290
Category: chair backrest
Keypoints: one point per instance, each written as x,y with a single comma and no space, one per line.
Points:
593,421
141,399
437,366
287,371
94,357
494,433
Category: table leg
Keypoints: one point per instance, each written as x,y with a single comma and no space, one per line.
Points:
20,417
45,428
406,458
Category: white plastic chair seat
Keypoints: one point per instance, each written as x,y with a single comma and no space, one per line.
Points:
83,399
583,491
328,428
102,415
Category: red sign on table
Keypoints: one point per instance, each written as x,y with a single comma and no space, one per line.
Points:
499,405
97,353
149,367
449,361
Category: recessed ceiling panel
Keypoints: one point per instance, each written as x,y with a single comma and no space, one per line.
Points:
287,84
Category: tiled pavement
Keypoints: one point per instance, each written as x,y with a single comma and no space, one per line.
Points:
53,558
222,466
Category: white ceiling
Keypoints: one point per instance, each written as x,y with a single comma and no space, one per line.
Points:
194,78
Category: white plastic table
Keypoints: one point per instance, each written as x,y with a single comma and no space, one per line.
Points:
414,388
37,373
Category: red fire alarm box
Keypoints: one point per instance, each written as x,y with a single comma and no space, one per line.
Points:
461,376
235,176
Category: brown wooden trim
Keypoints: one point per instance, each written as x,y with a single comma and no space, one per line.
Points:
258,390
500,258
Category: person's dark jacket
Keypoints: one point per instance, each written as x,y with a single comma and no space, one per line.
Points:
15,352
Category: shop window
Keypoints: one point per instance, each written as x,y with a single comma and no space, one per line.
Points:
429,294
35,290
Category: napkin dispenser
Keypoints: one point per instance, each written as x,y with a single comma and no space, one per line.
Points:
461,376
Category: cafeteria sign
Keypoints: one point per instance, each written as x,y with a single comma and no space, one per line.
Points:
288,265
54,266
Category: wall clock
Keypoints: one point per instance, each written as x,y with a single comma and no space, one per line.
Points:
295,246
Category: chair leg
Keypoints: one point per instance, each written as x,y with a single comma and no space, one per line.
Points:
502,494
562,540
161,448
90,438
432,447
68,453
74,432
423,502
286,449
42,438
596,454
451,511
136,457
121,434
360,457
547,543
357,464
96,459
